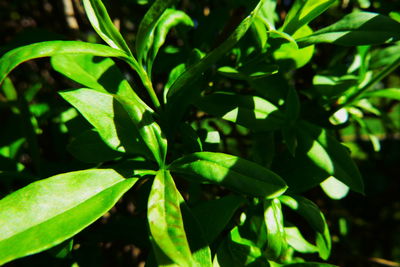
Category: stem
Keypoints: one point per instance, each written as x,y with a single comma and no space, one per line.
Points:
386,71
145,80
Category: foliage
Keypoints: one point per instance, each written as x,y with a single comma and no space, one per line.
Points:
206,204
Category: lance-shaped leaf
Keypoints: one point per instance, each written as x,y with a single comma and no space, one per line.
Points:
101,74
233,172
169,19
109,118
149,130
45,213
145,33
249,111
315,218
328,155
276,237
102,24
304,11
192,73
357,28
391,93
309,264
165,220
296,240
47,49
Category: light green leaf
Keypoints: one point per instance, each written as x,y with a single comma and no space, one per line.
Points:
329,155
46,49
252,112
357,28
47,212
384,57
149,130
165,220
169,19
102,24
192,73
391,93
310,212
303,12
109,118
145,34
334,188
214,215
102,75
309,264
276,237
233,172
296,240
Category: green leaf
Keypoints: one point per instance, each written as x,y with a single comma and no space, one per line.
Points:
334,188
233,172
303,12
149,130
147,25
101,74
169,19
315,218
109,118
329,155
214,215
384,57
357,28
45,213
195,71
276,239
309,264
13,58
89,147
102,24
165,220
391,93
249,111
296,240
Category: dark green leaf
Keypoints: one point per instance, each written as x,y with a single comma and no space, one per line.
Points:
315,218
45,213
252,112
102,24
233,172
357,28
214,215
165,220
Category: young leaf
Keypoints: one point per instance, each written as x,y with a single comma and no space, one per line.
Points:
47,49
296,240
276,237
146,27
102,24
109,118
45,213
167,21
357,28
214,215
191,74
233,172
304,11
315,218
165,220
252,112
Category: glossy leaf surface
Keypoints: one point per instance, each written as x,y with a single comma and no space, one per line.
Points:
45,213
102,24
165,220
358,28
233,172
276,239
46,49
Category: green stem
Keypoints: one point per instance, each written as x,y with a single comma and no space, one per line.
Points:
145,80
389,69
